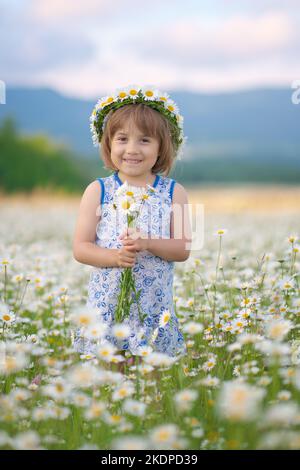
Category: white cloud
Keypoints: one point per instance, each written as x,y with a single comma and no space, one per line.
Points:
232,40
88,48
70,11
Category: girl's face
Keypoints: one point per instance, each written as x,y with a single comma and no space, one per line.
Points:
134,153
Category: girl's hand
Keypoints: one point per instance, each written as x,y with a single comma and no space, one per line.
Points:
134,239
126,257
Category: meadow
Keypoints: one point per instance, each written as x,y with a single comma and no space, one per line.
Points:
237,300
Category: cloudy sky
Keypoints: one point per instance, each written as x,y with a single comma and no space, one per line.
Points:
87,48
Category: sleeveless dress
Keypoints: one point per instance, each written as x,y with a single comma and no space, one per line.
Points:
153,275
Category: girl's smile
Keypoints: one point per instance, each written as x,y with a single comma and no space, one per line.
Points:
131,161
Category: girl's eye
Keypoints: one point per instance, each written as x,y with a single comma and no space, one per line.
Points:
124,138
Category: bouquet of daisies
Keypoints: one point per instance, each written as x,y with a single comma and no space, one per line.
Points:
130,201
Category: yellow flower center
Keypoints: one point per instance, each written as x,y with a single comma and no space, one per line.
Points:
133,92
125,205
149,93
119,334
6,317
115,418
122,94
163,435
97,411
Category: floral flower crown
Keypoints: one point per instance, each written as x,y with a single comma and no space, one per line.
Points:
150,96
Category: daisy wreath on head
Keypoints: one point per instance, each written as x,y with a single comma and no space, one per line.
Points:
150,96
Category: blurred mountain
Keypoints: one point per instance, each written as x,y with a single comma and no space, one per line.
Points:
259,124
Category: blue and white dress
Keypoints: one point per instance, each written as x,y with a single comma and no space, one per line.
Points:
153,275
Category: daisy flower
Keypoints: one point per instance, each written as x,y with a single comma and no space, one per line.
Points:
106,351
220,231
134,407
145,368
125,390
210,381
192,328
149,92
292,238
59,389
278,329
239,401
82,375
209,365
6,315
84,316
96,331
171,106
239,323
144,351
159,359
164,435
163,96
95,410
132,91
185,398
10,364
281,414
246,302
121,331
286,284
164,318
18,278
121,93
80,399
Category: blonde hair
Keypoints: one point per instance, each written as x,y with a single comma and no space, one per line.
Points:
148,121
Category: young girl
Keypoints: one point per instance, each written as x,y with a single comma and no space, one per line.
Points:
140,133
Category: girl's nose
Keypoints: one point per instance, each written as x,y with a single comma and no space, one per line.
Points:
131,147
131,150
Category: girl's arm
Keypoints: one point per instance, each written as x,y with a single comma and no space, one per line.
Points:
178,247
84,248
